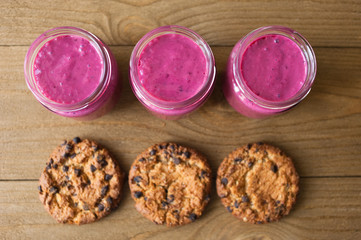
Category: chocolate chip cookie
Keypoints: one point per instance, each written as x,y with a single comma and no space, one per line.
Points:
81,182
170,184
257,183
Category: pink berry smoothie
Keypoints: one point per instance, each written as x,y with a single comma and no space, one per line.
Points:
272,69
172,68
72,73
172,71
68,69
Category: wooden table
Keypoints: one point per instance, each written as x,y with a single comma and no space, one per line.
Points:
322,134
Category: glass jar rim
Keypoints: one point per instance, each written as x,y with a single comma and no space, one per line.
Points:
47,36
139,89
307,52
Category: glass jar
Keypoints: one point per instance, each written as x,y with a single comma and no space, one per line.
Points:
58,88
170,58
248,101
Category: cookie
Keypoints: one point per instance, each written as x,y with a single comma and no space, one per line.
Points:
81,182
257,183
170,184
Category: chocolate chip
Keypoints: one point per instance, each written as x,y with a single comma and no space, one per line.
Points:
40,189
100,157
67,177
76,204
64,142
107,177
145,198
161,146
207,197
100,207
238,160
95,148
172,147
274,168
64,183
245,198
137,179
249,146
164,204
141,159
268,219
65,155
51,161
224,181
92,168
76,140
250,164
110,200
229,209
187,154
77,172
103,163
68,147
170,198
48,167
176,160
259,222
152,152
192,217
203,174
138,194
278,202
53,190
260,143
104,190
85,207
236,204
65,168
55,166
73,155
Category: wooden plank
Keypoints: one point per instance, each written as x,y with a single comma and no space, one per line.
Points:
323,23
322,134
327,208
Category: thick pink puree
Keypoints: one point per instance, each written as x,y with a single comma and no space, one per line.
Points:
274,68
68,69
172,68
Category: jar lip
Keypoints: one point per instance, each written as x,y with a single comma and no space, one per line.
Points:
143,95
308,55
46,37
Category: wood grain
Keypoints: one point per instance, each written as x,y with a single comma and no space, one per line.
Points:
322,134
323,22
327,208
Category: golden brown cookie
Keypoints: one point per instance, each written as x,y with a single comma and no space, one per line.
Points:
81,182
257,183
170,184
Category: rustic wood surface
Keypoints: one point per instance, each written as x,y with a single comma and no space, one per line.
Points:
322,134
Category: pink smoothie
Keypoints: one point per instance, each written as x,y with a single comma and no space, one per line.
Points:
274,68
172,68
68,69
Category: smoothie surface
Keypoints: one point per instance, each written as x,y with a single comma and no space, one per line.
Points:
68,69
172,68
274,67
